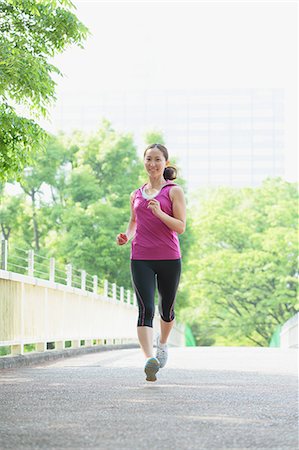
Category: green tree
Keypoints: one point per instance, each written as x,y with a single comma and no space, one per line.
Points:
11,214
42,172
31,33
87,239
83,186
114,161
154,137
78,200
103,169
241,276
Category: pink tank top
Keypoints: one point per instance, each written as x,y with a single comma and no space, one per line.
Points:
153,239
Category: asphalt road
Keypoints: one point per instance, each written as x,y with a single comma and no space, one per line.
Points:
205,398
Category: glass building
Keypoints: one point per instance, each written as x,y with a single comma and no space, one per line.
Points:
218,136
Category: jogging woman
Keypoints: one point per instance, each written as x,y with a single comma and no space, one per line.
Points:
158,215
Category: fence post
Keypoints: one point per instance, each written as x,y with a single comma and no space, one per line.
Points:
114,291
4,248
95,284
134,299
52,270
69,275
83,280
106,288
122,294
31,263
129,296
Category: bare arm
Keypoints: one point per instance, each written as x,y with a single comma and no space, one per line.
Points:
132,222
178,221
123,238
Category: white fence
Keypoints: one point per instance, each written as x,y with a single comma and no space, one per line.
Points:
58,309
27,262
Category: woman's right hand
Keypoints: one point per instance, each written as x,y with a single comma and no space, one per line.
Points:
121,239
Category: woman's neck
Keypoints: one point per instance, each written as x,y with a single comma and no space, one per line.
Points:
156,183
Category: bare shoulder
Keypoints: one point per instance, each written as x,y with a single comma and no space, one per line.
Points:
176,192
132,195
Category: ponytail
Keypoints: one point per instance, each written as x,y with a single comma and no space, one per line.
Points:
170,173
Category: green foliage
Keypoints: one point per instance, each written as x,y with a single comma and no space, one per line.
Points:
31,32
88,241
83,187
88,181
239,249
241,276
106,169
11,208
20,138
154,137
4,351
113,159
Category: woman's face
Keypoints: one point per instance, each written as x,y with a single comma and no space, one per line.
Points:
154,162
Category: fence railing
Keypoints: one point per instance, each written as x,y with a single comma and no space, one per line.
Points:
28,262
45,305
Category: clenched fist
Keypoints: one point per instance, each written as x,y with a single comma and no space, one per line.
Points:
154,206
121,239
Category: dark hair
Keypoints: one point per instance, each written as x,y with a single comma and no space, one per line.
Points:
170,172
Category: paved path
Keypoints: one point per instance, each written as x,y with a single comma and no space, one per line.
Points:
205,398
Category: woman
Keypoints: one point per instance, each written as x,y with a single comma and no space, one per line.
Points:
158,214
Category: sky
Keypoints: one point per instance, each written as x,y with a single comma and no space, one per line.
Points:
181,45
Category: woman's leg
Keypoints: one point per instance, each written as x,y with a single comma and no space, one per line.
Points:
168,278
165,329
145,336
143,278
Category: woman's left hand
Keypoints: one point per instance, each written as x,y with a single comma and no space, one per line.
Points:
155,207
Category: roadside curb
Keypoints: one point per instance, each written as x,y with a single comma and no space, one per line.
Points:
10,362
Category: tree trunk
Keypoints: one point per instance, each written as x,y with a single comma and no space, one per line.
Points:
35,224
5,232
53,195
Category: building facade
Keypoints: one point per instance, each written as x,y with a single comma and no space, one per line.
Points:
229,137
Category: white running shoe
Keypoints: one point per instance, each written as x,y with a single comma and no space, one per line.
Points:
162,352
152,366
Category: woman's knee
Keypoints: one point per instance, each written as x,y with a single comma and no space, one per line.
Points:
146,316
170,318
166,311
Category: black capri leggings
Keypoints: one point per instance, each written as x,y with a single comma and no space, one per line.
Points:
144,275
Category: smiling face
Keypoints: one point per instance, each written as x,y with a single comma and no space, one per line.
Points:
154,162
